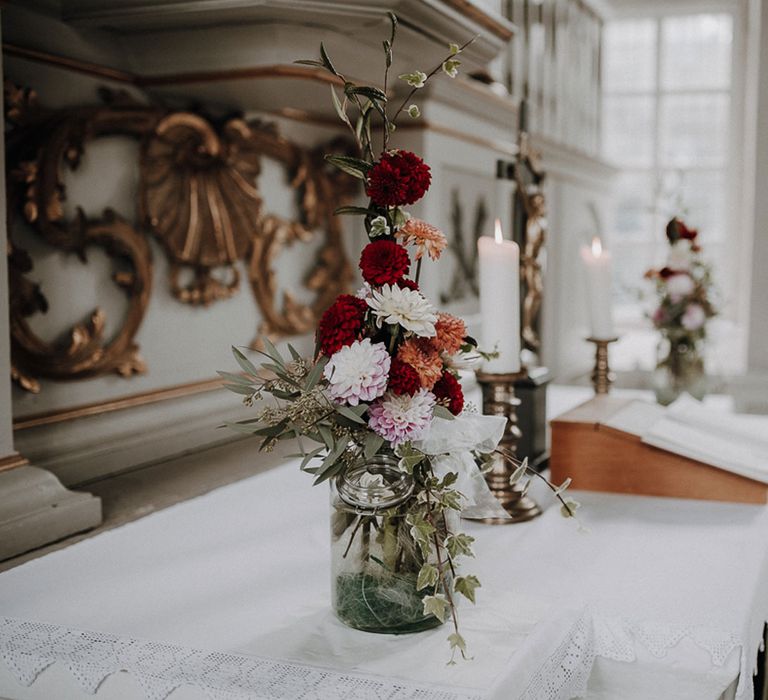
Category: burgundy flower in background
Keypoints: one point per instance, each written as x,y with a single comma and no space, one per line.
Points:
403,379
448,391
341,324
384,262
408,284
399,178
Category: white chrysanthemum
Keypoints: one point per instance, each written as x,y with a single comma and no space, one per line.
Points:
679,286
679,257
694,317
405,307
401,418
358,372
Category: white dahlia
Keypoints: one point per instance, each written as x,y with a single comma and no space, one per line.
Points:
406,307
358,372
401,418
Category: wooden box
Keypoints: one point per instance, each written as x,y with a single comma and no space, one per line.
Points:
601,458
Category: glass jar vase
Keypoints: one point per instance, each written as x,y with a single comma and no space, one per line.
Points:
374,560
679,369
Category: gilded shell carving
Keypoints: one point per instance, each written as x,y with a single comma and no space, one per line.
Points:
199,191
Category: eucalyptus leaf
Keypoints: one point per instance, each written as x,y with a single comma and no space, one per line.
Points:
244,362
350,414
234,378
239,389
373,443
341,109
325,58
317,371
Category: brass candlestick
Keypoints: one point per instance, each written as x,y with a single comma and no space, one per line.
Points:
499,400
602,377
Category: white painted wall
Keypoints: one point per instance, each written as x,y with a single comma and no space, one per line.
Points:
757,357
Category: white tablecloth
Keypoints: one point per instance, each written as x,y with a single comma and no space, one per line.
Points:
228,596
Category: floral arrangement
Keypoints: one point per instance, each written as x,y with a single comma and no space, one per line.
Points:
384,373
683,287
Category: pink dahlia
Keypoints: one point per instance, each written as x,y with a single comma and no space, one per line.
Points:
401,418
358,372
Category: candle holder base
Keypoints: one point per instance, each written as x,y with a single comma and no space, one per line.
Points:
602,377
499,400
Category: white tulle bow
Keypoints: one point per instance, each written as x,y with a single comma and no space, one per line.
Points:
450,444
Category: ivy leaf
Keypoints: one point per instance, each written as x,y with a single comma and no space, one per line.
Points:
519,473
414,112
452,499
561,489
436,605
417,79
428,575
420,531
568,510
466,585
451,67
454,49
459,544
457,642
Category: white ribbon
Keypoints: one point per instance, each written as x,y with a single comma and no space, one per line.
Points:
450,444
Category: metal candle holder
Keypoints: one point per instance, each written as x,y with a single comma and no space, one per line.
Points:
602,377
499,400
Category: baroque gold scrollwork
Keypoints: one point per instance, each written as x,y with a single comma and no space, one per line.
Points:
198,196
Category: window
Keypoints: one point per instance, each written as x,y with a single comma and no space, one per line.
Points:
667,115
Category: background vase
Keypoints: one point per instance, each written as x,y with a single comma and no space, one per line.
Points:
374,560
679,368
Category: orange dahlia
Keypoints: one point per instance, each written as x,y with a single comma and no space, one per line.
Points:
420,354
427,238
451,332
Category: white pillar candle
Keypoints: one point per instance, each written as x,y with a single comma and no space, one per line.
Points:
597,264
500,301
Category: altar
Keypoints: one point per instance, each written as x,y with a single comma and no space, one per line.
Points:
226,595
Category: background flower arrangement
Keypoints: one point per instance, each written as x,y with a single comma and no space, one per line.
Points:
684,291
384,372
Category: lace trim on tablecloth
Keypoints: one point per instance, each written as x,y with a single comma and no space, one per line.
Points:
28,648
566,673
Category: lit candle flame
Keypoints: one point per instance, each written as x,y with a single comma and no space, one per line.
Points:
498,235
597,247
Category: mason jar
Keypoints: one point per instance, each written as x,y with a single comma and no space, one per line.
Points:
679,369
374,560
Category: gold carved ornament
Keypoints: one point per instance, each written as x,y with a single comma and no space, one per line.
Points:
198,195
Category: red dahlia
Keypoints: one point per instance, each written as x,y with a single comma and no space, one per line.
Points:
384,262
403,379
341,324
448,392
399,178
